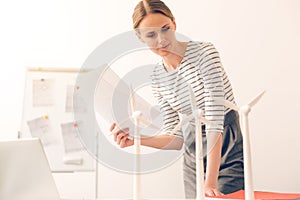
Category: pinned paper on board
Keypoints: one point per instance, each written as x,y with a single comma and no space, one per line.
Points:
74,103
42,92
52,91
69,98
71,139
41,128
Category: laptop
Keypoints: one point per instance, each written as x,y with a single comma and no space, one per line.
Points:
24,171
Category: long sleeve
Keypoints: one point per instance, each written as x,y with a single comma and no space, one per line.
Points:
170,116
212,71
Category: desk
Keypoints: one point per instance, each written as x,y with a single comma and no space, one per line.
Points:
260,195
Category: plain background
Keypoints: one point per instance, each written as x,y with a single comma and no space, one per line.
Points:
258,42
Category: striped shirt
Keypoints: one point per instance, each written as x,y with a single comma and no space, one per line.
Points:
200,67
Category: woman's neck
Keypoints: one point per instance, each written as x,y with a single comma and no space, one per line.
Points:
173,60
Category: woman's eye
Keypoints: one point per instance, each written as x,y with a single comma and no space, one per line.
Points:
165,29
151,35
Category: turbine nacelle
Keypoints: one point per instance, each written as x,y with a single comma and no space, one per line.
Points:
136,115
246,109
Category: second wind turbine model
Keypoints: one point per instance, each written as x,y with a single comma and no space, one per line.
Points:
244,111
196,114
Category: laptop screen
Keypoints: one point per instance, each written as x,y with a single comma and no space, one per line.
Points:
24,171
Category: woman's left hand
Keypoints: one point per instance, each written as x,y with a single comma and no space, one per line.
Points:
212,191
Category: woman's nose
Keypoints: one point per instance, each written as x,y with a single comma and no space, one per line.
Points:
161,40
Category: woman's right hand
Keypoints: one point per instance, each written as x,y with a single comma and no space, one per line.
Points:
121,136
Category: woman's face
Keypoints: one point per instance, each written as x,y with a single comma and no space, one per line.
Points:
157,31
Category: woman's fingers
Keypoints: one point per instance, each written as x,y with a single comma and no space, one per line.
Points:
112,126
115,132
210,193
124,141
218,193
213,192
120,134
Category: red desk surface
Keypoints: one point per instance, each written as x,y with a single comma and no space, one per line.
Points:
261,195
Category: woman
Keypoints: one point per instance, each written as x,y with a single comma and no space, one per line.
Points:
197,64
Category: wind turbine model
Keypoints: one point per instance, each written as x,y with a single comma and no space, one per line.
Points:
136,116
197,114
132,117
244,111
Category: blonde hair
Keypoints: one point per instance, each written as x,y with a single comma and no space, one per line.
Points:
145,7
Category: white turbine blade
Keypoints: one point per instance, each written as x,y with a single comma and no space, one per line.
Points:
182,122
177,127
202,118
187,119
145,122
132,100
231,105
205,121
193,99
256,99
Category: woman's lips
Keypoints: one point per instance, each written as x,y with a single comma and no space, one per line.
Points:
164,47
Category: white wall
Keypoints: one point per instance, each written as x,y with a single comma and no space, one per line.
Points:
258,42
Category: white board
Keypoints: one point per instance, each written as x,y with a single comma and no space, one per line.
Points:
48,114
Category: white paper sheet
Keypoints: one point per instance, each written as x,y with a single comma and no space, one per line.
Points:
71,94
70,137
107,90
42,92
111,88
41,128
69,98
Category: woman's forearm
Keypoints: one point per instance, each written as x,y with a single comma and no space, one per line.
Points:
163,142
213,159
